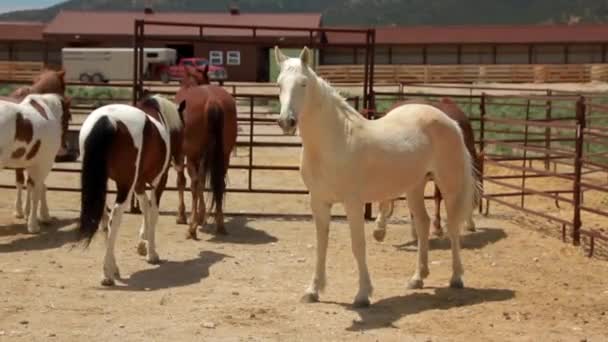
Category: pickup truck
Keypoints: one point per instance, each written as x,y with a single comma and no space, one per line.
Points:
176,72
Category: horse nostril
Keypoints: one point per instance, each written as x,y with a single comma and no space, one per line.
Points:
291,122
280,122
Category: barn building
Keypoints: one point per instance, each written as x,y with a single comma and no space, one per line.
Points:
251,60
431,45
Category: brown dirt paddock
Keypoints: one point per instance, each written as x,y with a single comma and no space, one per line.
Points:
522,283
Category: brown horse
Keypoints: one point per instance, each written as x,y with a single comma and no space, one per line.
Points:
47,82
132,146
451,109
210,130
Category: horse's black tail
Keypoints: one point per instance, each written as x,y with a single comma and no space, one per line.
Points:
94,177
213,166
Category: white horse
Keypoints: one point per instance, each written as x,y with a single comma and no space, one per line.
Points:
32,131
132,146
346,158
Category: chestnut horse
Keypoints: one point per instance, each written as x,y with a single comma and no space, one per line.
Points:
132,146
452,110
31,135
48,81
210,130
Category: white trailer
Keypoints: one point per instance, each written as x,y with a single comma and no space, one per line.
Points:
110,64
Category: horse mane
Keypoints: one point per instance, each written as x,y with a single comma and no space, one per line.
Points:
331,94
169,112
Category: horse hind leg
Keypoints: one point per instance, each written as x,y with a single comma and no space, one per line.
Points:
181,209
147,246
385,211
421,224
45,217
20,184
110,269
453,226
437,219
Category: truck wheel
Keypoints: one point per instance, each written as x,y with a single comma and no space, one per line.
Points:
85,78
97,78
164,77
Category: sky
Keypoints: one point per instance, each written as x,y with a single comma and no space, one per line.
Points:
12,5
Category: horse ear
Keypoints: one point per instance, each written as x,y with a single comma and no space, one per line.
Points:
305,56
61,73
145,93
205,70
279,56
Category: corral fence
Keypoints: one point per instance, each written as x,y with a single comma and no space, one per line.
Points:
500,73
547,152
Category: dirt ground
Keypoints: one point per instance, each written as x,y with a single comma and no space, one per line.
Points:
522,283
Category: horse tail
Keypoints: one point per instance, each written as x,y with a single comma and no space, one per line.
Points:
94,177
471,186
213,166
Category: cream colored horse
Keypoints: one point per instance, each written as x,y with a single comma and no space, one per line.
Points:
348,159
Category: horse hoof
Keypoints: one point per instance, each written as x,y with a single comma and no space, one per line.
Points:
141,248
456,284
471,229
379,234
191,235
361,303
19,215
33,229
107,282
46,221
415,284
181,220
310,298
155,260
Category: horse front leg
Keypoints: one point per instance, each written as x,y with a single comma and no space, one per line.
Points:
321,212
356,222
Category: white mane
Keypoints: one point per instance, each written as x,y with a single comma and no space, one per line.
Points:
327,92
169,112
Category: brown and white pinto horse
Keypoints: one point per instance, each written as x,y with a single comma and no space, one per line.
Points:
452,110
51,82
31,132
132,146
210,130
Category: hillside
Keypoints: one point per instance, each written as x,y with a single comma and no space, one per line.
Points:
369,12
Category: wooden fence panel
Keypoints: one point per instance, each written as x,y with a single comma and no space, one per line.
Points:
20,71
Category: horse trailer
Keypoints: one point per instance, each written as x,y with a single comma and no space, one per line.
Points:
99,65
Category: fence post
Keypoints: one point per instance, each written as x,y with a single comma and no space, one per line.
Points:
525,156
548,117
578,165
482,155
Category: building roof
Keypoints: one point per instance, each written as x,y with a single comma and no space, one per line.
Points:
21,31
499,34
122,23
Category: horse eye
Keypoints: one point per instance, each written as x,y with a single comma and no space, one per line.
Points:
303,84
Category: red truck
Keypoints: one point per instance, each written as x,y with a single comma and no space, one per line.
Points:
176,72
